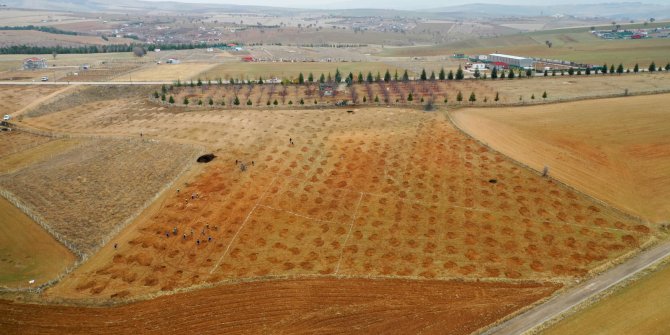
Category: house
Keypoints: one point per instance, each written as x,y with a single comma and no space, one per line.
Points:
478,66
34,63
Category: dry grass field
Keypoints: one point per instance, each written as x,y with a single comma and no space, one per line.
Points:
13,98
168,72
640,308
87,191
599,146
37,152
380,192
27,251
292,70
12,142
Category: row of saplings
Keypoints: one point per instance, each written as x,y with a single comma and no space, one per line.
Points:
164,98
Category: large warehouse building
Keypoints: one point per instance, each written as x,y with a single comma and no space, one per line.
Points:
514,61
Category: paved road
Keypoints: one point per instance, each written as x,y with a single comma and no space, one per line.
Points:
563,302
10,82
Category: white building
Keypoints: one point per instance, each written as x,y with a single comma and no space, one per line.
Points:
516,61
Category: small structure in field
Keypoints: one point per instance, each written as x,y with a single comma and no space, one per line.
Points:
173,61
328,89
34,63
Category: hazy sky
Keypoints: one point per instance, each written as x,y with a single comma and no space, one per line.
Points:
400,4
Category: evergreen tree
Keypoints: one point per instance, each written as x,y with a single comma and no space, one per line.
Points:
571,71
369,78
378,77
544,95
301,79
376,98
497,97
652,67
423,75
459,73
330,78
636,69
421,99
667,67
351,78
477,74
511,74
502,74
619,69
275,102
450,76
432,75
494,73
268,103
553,73
459,96
387,76
612,68
199,82
163,97
236,102
310,77
360,77
532,96
588,71
302,102
529,73
338,76
410,97
260,80
290,102
249,102
442,75
186,101
546,73
405,76
446,99
156,95
164,89
171,100
322,79
395,76
199,102
211,102
604,68
472,97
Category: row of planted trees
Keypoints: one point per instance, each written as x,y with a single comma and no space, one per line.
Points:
424,76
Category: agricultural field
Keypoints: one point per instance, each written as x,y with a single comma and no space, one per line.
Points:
28,252
323,305
639,308
353,196
85,192
14,98
15,141
168,72
19,37
292,70
598,146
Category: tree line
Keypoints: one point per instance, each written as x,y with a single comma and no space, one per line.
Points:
91,49
50,30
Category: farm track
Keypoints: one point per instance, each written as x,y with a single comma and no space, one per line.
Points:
584,292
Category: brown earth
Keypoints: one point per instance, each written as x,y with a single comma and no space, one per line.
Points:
291,306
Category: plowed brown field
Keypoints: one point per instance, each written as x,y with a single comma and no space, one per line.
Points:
291,307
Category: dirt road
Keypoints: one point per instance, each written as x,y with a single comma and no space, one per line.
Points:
587,290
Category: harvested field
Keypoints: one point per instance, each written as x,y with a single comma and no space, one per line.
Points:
29,156
27,251
269,70
519,91
32,37
15,141
167,72
13,98
380,192
292,306
614,149
84,193
640,308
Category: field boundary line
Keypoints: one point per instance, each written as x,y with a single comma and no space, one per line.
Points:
351,227
232,240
